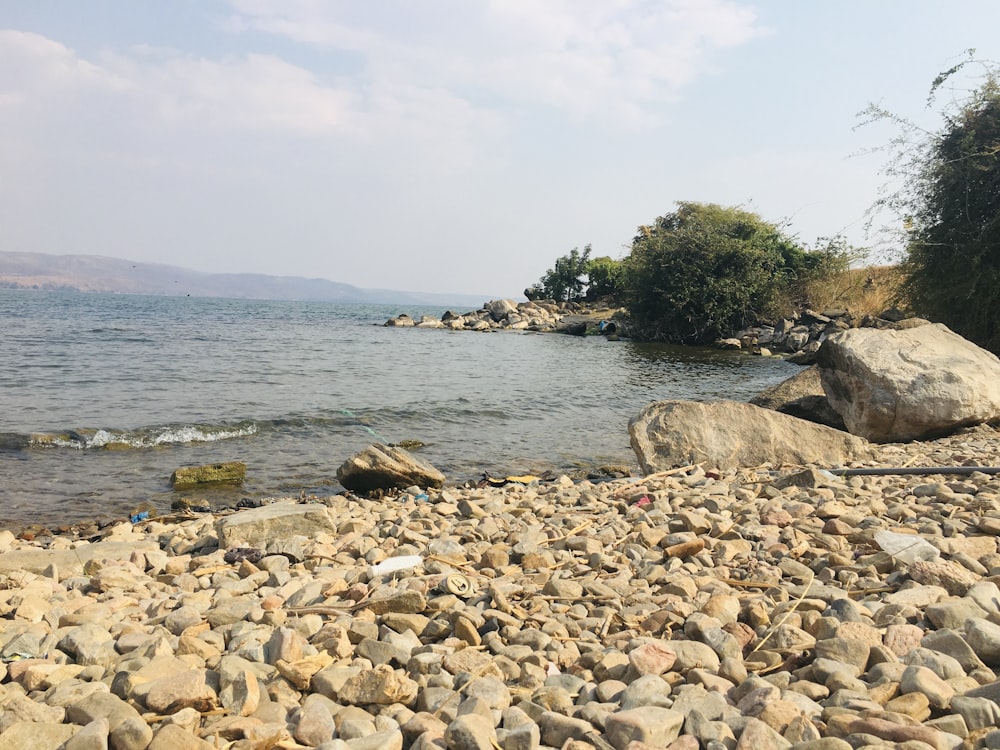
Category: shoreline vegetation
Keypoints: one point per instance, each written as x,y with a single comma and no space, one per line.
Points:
850,298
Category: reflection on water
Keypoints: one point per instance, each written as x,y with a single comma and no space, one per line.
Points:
665,371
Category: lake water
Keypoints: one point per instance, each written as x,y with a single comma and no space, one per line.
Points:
134,387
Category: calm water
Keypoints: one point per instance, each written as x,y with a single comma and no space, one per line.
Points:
135,387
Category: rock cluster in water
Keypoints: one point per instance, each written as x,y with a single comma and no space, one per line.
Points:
505,314
779,607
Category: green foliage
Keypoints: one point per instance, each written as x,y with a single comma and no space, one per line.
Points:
828,262
604,275
705,271
949,209
563,281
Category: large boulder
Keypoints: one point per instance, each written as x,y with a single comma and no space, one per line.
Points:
500,308
729,434
383,467
913,384
801,396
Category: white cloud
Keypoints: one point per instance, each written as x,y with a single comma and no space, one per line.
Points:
166,91
594,59
36,69
256,92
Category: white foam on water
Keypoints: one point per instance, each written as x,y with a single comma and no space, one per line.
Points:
194,434
150,439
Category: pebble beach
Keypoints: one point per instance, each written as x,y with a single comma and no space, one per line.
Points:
759,608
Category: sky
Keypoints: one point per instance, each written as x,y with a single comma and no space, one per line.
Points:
452,146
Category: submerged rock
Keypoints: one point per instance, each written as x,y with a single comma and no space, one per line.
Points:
232,472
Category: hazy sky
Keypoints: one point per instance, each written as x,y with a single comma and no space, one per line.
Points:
446,145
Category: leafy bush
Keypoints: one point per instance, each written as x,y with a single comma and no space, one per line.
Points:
705,271
952,269
603,276
564,280
825,279
948,209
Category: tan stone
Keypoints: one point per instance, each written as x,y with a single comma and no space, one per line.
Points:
729,434
914,705
300,672
189,689
381,685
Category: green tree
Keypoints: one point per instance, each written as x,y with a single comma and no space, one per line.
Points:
564,281
603,276
705,270
949,209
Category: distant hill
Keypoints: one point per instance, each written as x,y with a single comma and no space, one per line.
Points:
96,273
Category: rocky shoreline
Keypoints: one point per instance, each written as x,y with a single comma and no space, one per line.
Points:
693,608
542,316
798,338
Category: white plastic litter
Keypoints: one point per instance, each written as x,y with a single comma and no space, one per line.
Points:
907,548
395,564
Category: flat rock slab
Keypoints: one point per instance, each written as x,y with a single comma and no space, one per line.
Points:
69,560
36,735
729,434
259,525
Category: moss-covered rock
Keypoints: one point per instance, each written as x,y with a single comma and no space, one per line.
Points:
230,472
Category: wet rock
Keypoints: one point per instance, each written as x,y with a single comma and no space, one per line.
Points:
386,467
230,472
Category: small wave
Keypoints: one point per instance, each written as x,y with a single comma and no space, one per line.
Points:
149,437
